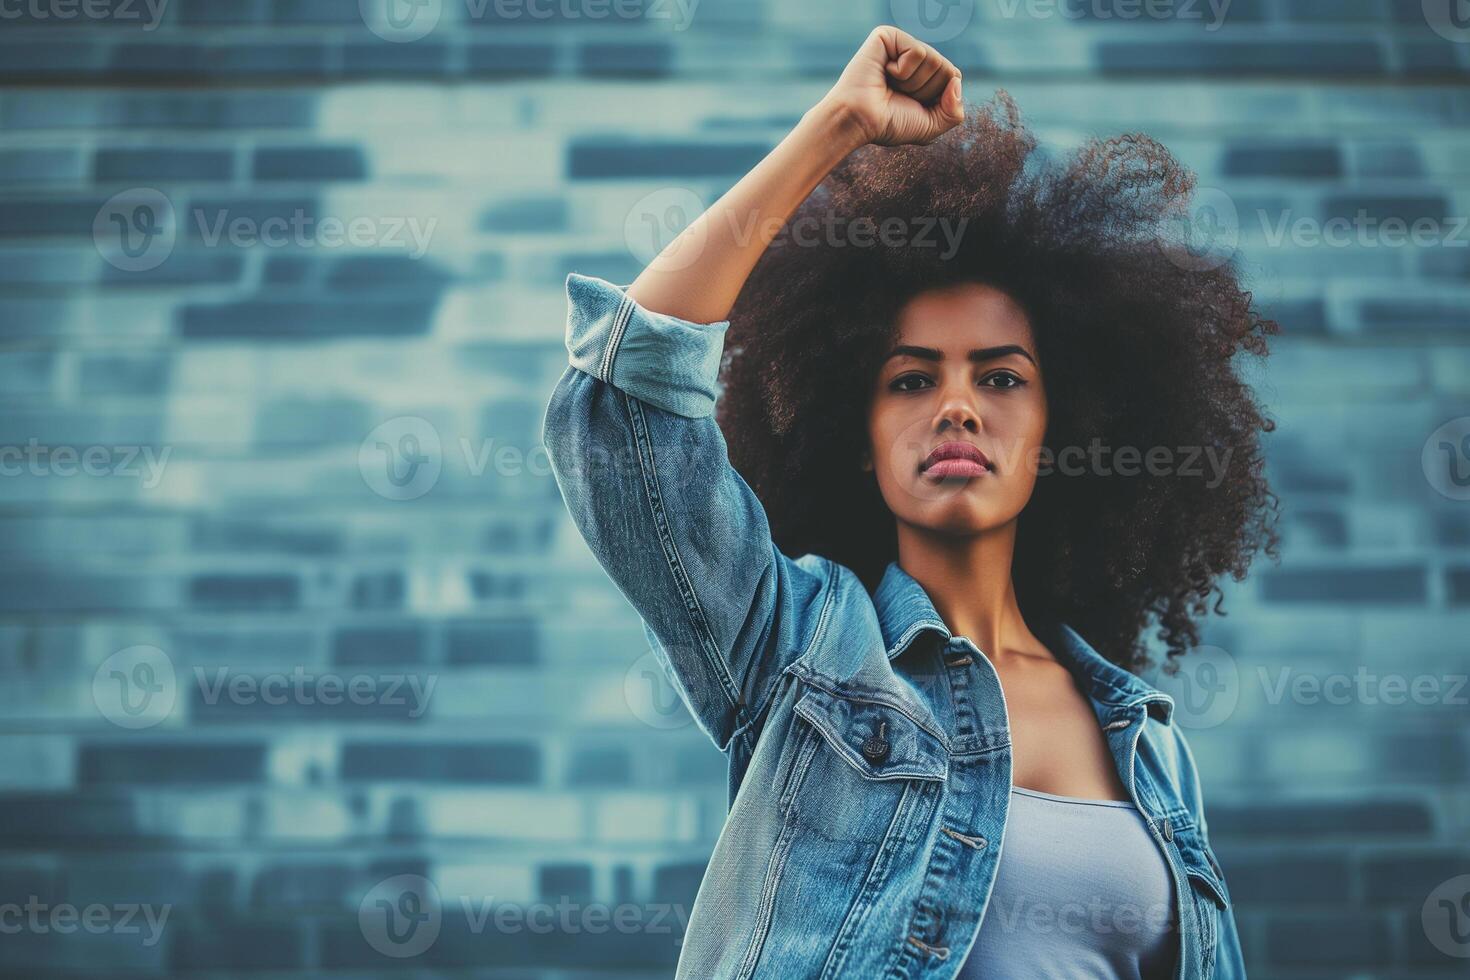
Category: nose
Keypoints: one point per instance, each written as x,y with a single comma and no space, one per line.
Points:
957,411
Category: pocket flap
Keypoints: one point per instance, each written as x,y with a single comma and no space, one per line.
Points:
877,739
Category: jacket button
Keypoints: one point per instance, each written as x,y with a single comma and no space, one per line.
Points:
875,747
1168,830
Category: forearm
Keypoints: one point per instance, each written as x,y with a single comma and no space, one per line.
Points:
700,273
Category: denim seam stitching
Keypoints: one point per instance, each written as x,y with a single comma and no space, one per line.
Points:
615,336
799,767
873,882
675,564
763,912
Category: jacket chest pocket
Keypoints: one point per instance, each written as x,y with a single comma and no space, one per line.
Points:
1208,892
854,760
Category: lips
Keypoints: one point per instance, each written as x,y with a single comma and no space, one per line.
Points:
955,459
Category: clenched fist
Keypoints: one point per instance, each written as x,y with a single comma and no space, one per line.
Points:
898,90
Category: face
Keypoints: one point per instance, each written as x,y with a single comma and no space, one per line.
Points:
957,413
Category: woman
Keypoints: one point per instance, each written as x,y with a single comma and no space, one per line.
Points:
932,772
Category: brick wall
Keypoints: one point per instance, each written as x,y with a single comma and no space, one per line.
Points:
292,622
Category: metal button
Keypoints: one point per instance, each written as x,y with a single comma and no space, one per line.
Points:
875,747
1168,830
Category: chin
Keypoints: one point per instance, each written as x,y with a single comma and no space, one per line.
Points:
962,516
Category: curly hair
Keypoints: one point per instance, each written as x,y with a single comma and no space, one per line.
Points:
1138,338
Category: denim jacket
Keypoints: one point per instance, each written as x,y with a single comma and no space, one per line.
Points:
869,751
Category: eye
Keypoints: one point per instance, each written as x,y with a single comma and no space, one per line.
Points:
1003,379
908,382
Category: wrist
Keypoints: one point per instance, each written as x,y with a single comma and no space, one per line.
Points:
838,125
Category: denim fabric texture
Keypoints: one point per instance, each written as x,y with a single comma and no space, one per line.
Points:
868,748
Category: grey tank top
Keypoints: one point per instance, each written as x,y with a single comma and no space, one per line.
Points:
1081,891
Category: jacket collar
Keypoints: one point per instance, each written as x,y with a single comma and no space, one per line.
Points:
905,611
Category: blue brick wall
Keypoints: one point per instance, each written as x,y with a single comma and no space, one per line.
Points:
292,621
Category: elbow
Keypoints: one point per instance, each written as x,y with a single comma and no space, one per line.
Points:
583,434
559,424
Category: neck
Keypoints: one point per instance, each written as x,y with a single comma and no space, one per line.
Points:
968,578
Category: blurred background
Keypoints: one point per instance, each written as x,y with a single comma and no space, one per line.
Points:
304,670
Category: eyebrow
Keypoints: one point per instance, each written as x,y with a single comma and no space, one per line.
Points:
979,354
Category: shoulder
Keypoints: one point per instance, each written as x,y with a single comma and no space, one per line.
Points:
820,587
840,621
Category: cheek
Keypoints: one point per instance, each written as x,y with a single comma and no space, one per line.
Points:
1021,425
899,435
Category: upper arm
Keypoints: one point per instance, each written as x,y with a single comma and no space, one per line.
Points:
645,474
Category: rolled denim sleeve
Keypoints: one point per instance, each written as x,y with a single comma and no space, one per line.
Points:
645,473
661,360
